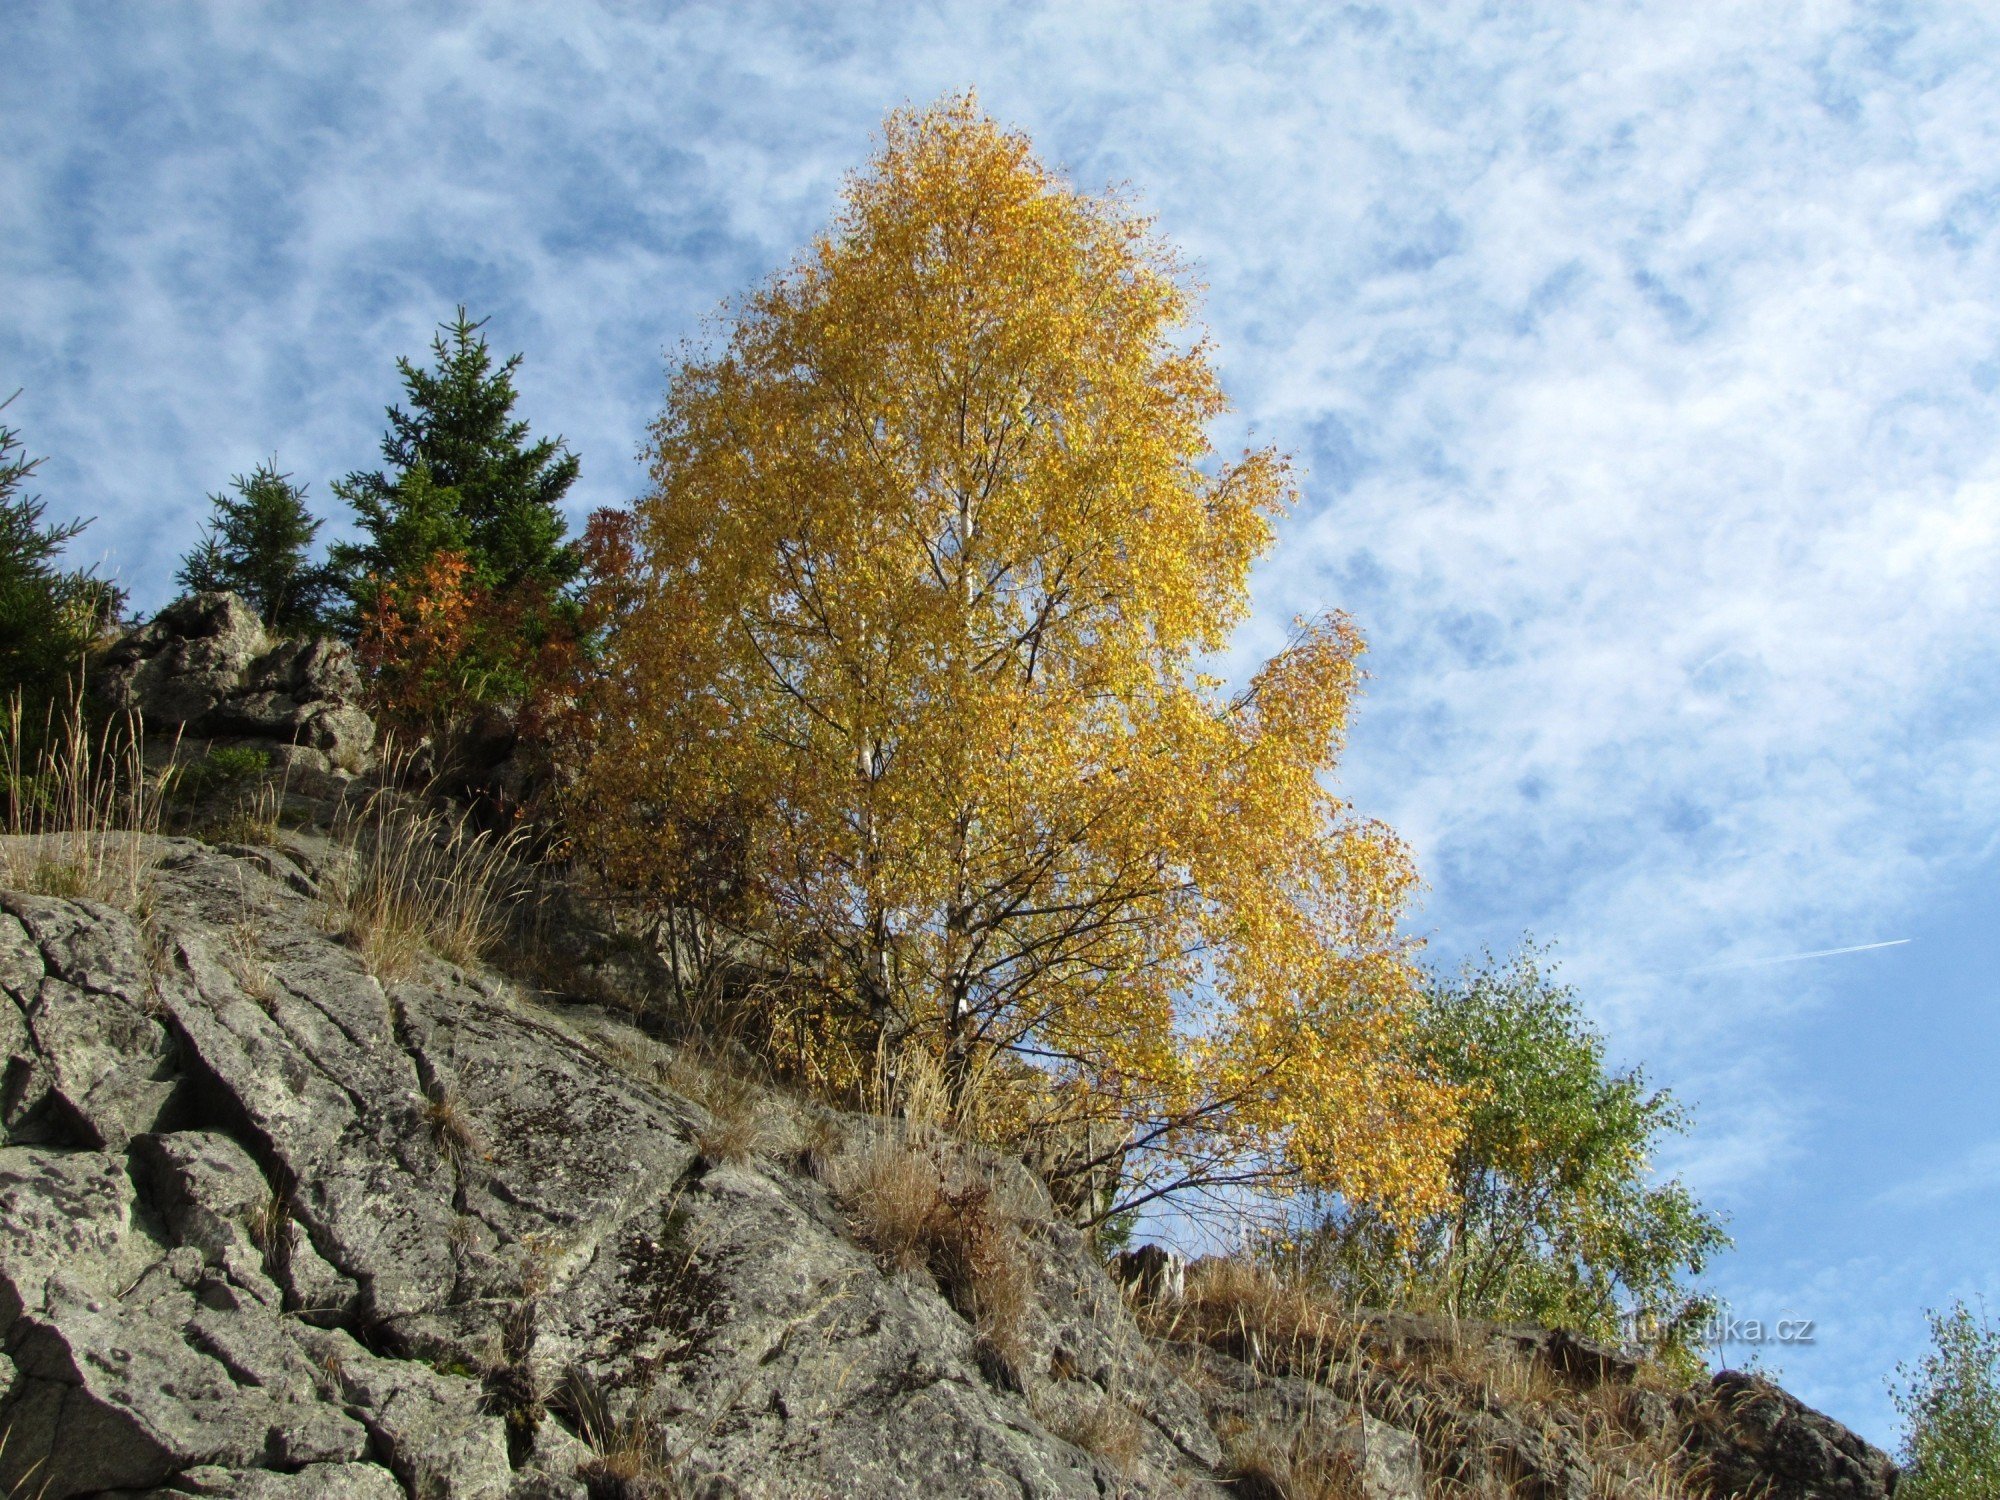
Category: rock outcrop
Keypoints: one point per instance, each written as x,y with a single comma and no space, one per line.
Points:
285,1216
269,1225
206,666
1747,1435
274,1226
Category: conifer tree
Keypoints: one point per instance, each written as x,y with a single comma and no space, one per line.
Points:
463,476
48,614
258,545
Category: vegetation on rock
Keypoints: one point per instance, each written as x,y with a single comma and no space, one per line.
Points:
459,592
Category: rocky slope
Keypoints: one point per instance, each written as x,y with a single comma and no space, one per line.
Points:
269,1225
288,1213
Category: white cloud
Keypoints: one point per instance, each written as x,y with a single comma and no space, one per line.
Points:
1974,1171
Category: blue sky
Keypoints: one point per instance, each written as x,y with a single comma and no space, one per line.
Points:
1642,361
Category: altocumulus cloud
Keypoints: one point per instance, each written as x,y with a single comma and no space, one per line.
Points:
1641,360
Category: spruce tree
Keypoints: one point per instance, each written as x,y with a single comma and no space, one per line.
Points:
462,476
258,545
48,614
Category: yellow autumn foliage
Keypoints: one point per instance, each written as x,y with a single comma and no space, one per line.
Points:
910,695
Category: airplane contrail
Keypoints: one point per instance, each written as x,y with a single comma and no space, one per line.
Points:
1792,958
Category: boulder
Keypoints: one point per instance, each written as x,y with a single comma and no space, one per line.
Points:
189,659
205,666
1745,1435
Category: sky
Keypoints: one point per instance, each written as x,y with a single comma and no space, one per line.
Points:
1641,362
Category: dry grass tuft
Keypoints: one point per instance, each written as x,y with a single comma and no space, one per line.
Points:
1501,1375
411,880
1290,1463
1630,1456
1240,1307
244,957
514,1380
921,1211
270,1228
633,1460
256,818
742,1118
819,1137
897,1192
1107,1427
1424,1375
80,806
451,1129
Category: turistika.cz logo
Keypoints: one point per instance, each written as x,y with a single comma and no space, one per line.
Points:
1725,1326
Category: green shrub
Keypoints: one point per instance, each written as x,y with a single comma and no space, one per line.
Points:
1951,1411
222,769
1557,1220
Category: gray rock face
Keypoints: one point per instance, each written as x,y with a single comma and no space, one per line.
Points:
1746,1434
206,666
271,1229
85,1059
124,1380
314,1236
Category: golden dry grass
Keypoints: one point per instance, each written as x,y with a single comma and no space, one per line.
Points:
80,807
632,1459
256,817
269,1225
410,880
921,1208
451,1128
1299,1462
244,956
743,1117
1107,1427
1239,1306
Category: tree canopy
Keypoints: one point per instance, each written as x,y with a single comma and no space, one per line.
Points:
49,614
1553,1215
258,545
463,477
912,693
460,593
1951,1410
